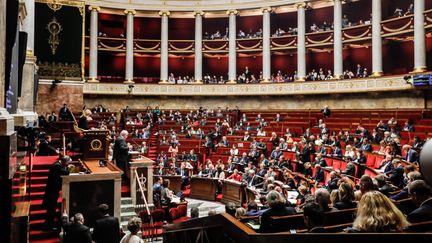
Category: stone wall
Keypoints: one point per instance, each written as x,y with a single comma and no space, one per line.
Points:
388,100
51,98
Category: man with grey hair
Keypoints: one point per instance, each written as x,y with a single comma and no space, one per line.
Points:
75,231
421,194
121,152
277,204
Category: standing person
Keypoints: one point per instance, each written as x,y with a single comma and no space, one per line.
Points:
121,152
53,187
106,228
326,111
84,118
75,231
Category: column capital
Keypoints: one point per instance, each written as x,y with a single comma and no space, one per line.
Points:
301,5
130,11
96,8
232,11
164,12
266,10
198,12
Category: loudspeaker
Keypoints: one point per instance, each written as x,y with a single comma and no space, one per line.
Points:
11,32
21,58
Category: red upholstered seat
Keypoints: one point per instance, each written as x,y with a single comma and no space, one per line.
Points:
336,165
182,210
329,161
370,160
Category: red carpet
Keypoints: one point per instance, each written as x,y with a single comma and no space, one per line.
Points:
39,175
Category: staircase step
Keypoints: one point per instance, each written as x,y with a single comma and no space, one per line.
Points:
40,172
125,208
42,235
126,216
126,200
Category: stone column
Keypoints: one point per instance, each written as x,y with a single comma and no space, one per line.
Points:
337,40
266,46
129,46
27,88
301,41
232,45
419,37
376,39
93,65
198,47
164,47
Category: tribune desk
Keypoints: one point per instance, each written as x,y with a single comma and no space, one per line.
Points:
233,191
203,188
82,193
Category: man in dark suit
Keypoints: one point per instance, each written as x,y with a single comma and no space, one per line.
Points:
46,148
314,217
107,228
319,174
421,194
75,231
52,117
65,114
53,187
326,111
184,173
333,183
278,207
121,152
305,153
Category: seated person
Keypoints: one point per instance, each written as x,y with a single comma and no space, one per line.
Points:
384,216
314,218
235,176
277,204
421,194
319,174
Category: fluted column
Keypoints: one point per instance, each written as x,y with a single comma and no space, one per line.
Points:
266,46
129,45
164,47
419,37
376,39
26,99
337,40
232,54
28,24
93,64
301,42
198,47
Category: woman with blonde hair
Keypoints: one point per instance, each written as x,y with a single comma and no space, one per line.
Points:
376,213
84,119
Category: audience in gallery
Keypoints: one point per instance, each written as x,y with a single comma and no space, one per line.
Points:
398,12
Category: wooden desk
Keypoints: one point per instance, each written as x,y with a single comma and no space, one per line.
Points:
175,182
233,191
203,188
84,192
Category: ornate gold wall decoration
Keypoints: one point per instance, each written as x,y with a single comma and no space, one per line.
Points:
55,70
54,5
54,28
